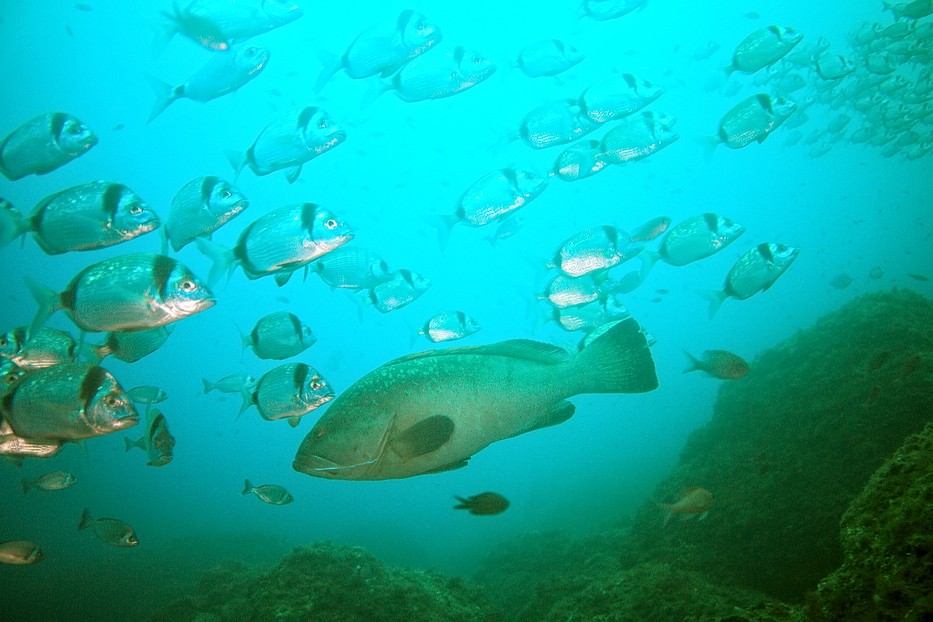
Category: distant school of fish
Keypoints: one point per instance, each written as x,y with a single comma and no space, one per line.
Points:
428,412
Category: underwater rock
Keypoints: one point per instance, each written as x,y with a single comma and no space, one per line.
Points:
326,581
887,542
792,444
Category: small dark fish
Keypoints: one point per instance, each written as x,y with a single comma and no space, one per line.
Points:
56,480
483,504
157,441
873,394
876,273
87,8
110,530
878,361
841,281
911,365
720,364
918,277
272,494
20,553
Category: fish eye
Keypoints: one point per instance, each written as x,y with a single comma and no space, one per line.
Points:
136,209
111,401
226,194
187,286
330,223
317,383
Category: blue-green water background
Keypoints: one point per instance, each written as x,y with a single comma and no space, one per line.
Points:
848,211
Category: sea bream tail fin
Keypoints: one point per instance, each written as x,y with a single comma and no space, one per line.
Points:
139,443
86,520
617,360
49,302
715,298
165,94
694,363
26,486
332,64
648,259
222,258
247,487
249,399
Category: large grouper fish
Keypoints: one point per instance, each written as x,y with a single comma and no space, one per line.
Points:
430,412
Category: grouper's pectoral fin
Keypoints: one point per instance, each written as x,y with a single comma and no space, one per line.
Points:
422,438
556,414
448,467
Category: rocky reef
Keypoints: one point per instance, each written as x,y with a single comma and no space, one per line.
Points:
791,444
327,581
821,466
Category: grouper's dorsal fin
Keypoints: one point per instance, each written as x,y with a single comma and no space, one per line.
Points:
422,438
525,349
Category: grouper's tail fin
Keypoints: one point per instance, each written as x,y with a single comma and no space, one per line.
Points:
616,358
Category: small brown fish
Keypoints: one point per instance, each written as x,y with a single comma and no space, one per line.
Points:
720,364
918,277
873,395
483,504
693,501
911,365
878,361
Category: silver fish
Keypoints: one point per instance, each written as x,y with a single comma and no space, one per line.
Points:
449,326
834,66
222,74
568,291
147,394
351,267
272,494
597,248
602,10
68,402
555,123
280,242
20,553
434,76
91,216
618,97
55,480
378,52
218,24
15,446
157,441
581,160
692,239
754,272
402,289
43,144
244,384
289,142
290,391
638,136
110,530
548,58
763,47
202,206
13,223
278,336
45,348
752,120
131,346
911,10
496,195
591,316
128,292
430,412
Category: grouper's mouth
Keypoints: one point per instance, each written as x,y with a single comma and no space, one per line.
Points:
318,466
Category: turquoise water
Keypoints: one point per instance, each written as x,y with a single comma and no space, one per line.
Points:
852,209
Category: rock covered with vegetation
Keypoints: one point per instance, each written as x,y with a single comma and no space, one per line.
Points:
887,540
791,444
329,582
